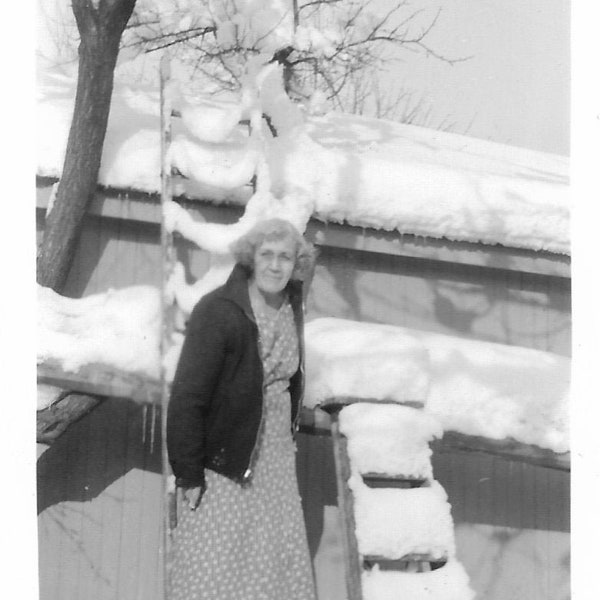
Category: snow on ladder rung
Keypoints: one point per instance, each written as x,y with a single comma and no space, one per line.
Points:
395,523
388,442
448,582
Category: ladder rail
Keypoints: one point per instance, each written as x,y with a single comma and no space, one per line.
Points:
167,316
353,560
355,564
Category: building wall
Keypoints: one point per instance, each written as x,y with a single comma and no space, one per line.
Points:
499,305
100,506
512,518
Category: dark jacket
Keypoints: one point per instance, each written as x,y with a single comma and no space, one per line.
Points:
215,409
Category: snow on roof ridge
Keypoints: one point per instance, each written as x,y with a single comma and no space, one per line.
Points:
491,145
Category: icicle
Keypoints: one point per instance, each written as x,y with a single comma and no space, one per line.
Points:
144,423
155,417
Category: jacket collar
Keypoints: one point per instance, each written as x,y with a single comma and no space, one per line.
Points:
236,290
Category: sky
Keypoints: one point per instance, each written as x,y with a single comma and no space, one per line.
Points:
515,88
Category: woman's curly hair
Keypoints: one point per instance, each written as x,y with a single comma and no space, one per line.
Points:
244,248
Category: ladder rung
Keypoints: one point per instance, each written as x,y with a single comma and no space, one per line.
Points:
405,563
383,480
333,405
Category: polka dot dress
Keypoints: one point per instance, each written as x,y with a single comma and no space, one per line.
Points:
249,543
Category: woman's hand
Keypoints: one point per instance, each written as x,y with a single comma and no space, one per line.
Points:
193,496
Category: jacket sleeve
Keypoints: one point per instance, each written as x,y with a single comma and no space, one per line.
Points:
198,371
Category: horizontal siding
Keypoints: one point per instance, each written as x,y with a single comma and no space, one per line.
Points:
99,497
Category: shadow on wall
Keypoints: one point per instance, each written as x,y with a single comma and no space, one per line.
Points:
493,304
119,436
116,437
517,308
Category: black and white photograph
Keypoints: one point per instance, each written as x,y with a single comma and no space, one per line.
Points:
304,321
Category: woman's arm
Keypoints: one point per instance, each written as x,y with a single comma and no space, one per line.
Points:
198,371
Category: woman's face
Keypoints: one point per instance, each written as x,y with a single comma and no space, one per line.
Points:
274,262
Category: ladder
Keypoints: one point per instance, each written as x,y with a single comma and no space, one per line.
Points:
168,315
356,563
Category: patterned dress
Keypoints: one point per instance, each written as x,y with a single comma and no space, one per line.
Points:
249,543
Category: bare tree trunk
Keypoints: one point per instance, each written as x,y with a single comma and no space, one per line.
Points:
100,25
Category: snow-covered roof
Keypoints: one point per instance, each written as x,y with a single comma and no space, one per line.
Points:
361,171
469,386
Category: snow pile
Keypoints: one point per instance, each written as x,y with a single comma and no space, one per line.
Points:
499,391
363,361
401,177
210,121
396,522
120,328
450,582
389,439
473,387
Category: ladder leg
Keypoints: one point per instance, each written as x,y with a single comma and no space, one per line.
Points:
169,513
352,559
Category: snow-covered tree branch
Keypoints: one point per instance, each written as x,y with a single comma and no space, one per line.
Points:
327,47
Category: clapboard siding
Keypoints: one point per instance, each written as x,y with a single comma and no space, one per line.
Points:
99,496
512,524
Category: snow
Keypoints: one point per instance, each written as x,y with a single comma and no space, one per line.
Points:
210,121
229,167
400,177
470,386
120,328
389,439
348,358
450,582
395,522
188,295
499,391
285,114
320,41
366,172
47,395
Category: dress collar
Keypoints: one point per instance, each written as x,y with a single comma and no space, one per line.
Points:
236,290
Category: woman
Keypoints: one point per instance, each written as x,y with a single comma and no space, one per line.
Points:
234,407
